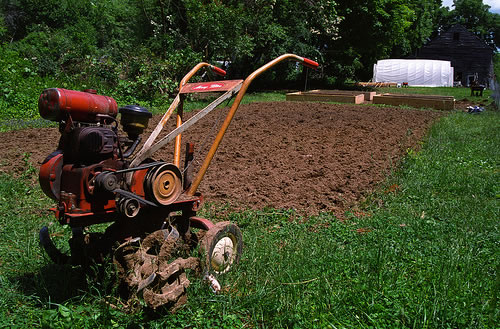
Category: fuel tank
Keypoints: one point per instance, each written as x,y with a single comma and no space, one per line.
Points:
56,103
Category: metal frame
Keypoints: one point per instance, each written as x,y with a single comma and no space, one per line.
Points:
149,148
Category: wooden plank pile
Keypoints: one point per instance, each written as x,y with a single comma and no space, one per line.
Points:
377,84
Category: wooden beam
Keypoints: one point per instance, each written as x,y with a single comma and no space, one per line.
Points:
330,97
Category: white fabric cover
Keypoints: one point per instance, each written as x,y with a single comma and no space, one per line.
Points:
417,72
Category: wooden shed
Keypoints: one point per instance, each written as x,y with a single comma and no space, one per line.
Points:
468,54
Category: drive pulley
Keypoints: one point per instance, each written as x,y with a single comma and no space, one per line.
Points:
163,184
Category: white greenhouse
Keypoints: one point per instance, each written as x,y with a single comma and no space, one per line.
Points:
415,72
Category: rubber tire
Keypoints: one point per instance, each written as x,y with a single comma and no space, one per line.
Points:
214,235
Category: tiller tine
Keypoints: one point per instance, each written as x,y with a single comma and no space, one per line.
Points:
55,254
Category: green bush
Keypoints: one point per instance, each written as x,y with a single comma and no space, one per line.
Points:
149,78
16,98
21,85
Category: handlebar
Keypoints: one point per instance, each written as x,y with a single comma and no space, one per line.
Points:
218,70
147,145
310,63
197,180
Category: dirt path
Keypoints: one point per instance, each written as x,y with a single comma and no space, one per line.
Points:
309,156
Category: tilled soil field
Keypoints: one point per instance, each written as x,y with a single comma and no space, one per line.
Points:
312,157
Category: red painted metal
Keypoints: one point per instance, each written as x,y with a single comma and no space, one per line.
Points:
212,86
56,104
86,218
94,182
50,175
77,192
310,63
137,186
218,71
201,223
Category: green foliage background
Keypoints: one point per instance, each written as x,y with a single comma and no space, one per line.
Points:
137,51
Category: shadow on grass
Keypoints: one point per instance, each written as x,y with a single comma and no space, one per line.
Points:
53,284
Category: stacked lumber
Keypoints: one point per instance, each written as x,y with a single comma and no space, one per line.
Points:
377,84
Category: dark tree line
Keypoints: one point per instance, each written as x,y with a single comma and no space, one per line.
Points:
143,47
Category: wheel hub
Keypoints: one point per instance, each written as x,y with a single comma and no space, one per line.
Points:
223,255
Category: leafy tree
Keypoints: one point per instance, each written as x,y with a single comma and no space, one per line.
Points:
217,30
3,28
472,14
369,31
425,22
496,65
142,48
302,27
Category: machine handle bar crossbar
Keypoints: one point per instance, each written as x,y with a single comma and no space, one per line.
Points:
239,86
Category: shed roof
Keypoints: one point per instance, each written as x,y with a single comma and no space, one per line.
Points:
465,39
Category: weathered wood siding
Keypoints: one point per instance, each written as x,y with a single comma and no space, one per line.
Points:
468,54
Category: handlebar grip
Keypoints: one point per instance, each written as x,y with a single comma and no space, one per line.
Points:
218,70
310,63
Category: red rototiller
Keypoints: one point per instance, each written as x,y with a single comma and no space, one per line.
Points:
97,176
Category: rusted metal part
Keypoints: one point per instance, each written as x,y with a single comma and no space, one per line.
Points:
170,284
86,248
50,175
197,180
222,246
201,223
188,168
144,267
231,87
93,183
54,254
178,138
164,184
56,104
159,127
78,196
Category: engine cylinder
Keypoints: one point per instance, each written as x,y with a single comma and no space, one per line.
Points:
56,103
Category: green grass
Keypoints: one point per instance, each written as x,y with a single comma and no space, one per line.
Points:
425,256
459,93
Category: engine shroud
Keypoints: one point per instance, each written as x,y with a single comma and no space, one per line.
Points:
89,145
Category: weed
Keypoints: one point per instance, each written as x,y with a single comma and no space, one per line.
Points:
29,170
